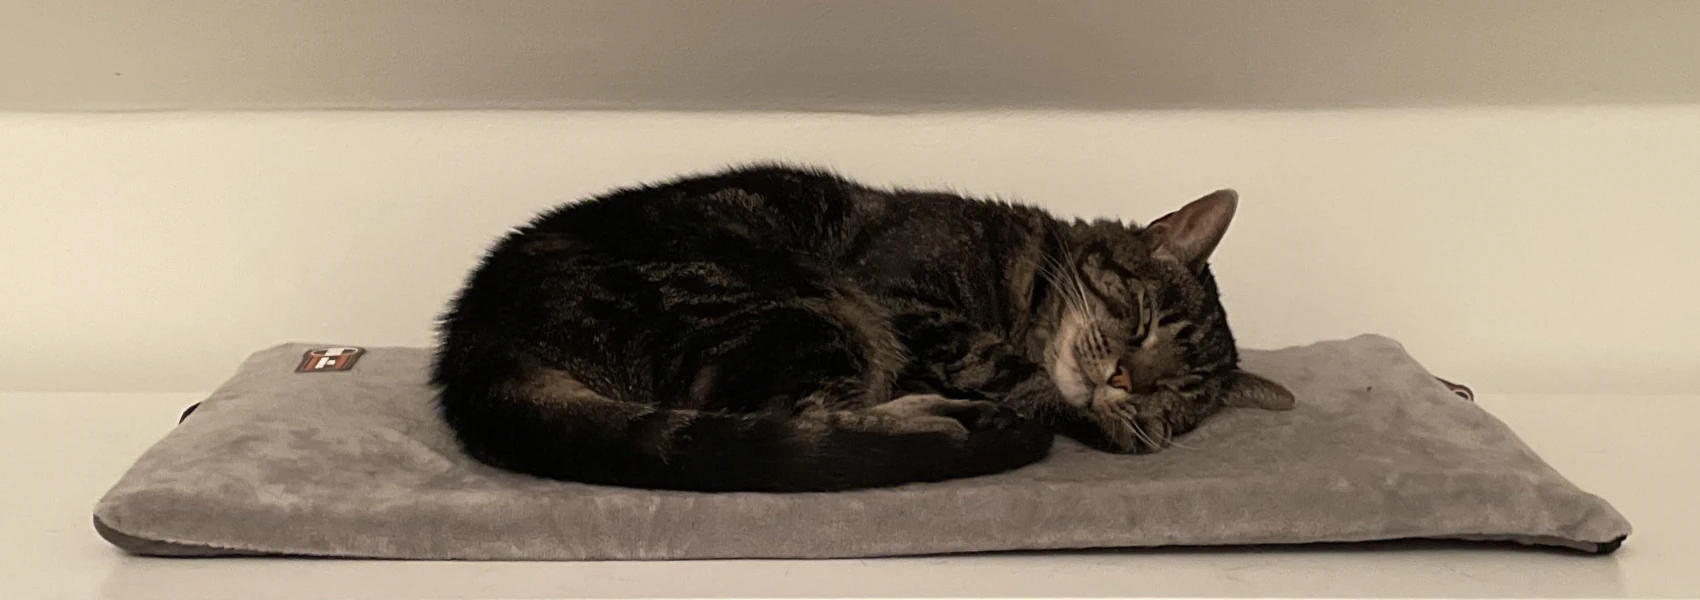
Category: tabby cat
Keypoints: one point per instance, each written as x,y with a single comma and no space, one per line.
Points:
778,329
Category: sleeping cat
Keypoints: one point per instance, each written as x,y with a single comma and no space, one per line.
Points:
778,329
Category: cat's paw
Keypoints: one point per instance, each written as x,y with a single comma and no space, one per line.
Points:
972,415
982,415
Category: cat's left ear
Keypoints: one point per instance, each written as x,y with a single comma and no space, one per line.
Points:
1246,390
1189,235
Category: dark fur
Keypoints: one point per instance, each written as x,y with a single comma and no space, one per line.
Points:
750,329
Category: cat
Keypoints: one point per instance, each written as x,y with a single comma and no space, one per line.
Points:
772,328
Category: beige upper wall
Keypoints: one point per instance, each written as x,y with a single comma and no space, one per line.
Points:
1522,250
812,55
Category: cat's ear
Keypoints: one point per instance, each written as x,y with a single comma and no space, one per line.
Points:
1189,235
1246,390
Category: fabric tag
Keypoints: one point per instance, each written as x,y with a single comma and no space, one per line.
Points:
318,360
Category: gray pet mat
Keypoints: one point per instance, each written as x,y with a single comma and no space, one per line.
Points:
355,464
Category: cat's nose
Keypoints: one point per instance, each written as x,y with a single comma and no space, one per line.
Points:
1139,375
1130,378
1120,380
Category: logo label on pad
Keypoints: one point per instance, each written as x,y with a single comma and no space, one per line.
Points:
319,360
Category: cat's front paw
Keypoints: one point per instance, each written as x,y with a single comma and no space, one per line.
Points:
982,415
972,415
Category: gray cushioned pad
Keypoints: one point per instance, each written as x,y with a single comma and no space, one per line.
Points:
356,464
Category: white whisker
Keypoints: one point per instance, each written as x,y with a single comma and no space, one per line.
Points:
1140,432
1068,280
1055,273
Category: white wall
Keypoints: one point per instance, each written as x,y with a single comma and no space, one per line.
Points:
1519,250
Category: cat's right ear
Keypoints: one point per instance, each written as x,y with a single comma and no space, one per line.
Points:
1189,235
1247,390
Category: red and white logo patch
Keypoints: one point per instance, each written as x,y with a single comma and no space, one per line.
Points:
320,360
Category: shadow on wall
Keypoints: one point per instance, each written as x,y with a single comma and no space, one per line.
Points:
819,55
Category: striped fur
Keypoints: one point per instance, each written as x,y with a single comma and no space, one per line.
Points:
778,329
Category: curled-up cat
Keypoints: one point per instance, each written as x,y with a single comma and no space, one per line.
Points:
778,329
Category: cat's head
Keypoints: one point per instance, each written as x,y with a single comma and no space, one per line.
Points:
1141,323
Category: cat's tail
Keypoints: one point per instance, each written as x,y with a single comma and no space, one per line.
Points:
560,429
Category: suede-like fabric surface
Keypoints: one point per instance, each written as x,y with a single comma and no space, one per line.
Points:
356,464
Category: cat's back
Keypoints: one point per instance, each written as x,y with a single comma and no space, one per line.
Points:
785,221
767,205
